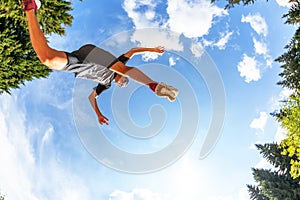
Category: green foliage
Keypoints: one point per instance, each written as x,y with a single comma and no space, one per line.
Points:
272,153
291,144
232,3
256,193
289,115
291,66
18,61
293,16
277,184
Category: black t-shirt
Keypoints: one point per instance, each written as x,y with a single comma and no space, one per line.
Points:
100,88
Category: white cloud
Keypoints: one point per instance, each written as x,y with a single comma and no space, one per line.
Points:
257,22
148,56
248,69
280,134
29,162
283,3
145,17
269,61
197,49
275,102
221,197
263,163
285,93
207,43
186,178
16,155
168,39
221,43
135,194
260,123
260,47
172,61
179,14
202,14
243,194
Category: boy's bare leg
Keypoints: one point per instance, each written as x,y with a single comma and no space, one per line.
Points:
160,89
139,76
52,58
132,72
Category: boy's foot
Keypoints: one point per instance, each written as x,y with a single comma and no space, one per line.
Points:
31,5
167,91
174,90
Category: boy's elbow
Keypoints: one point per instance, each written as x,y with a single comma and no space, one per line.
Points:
92,96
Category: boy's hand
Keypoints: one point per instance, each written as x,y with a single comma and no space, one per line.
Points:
159,49
102,120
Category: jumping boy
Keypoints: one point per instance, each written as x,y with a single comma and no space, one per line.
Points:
93,63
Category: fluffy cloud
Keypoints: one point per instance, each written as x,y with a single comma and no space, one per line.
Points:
257,22
172,61
168,39
223,40
141,194
284,3
260,123
242,195
280,134
179,15
259,25
275,102
248,68
29,159
221,43
16,155
202,14
197,49
262,163
260,47
142,12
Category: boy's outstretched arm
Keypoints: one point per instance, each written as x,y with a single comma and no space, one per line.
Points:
137,50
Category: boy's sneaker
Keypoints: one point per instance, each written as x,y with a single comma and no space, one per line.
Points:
167,91
174,90
31,4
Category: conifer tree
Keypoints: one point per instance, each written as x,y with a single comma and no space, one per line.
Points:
291,64
277,184
18,61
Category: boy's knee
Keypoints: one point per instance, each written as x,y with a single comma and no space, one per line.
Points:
120,68
47,60
53,61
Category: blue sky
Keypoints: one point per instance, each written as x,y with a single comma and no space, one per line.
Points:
48,138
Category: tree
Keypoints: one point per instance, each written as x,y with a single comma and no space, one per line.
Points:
291,64
293,16
289,114
291,144
232,3
277,184
18,61
271,184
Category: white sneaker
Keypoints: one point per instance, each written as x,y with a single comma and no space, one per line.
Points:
174,90
163,90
